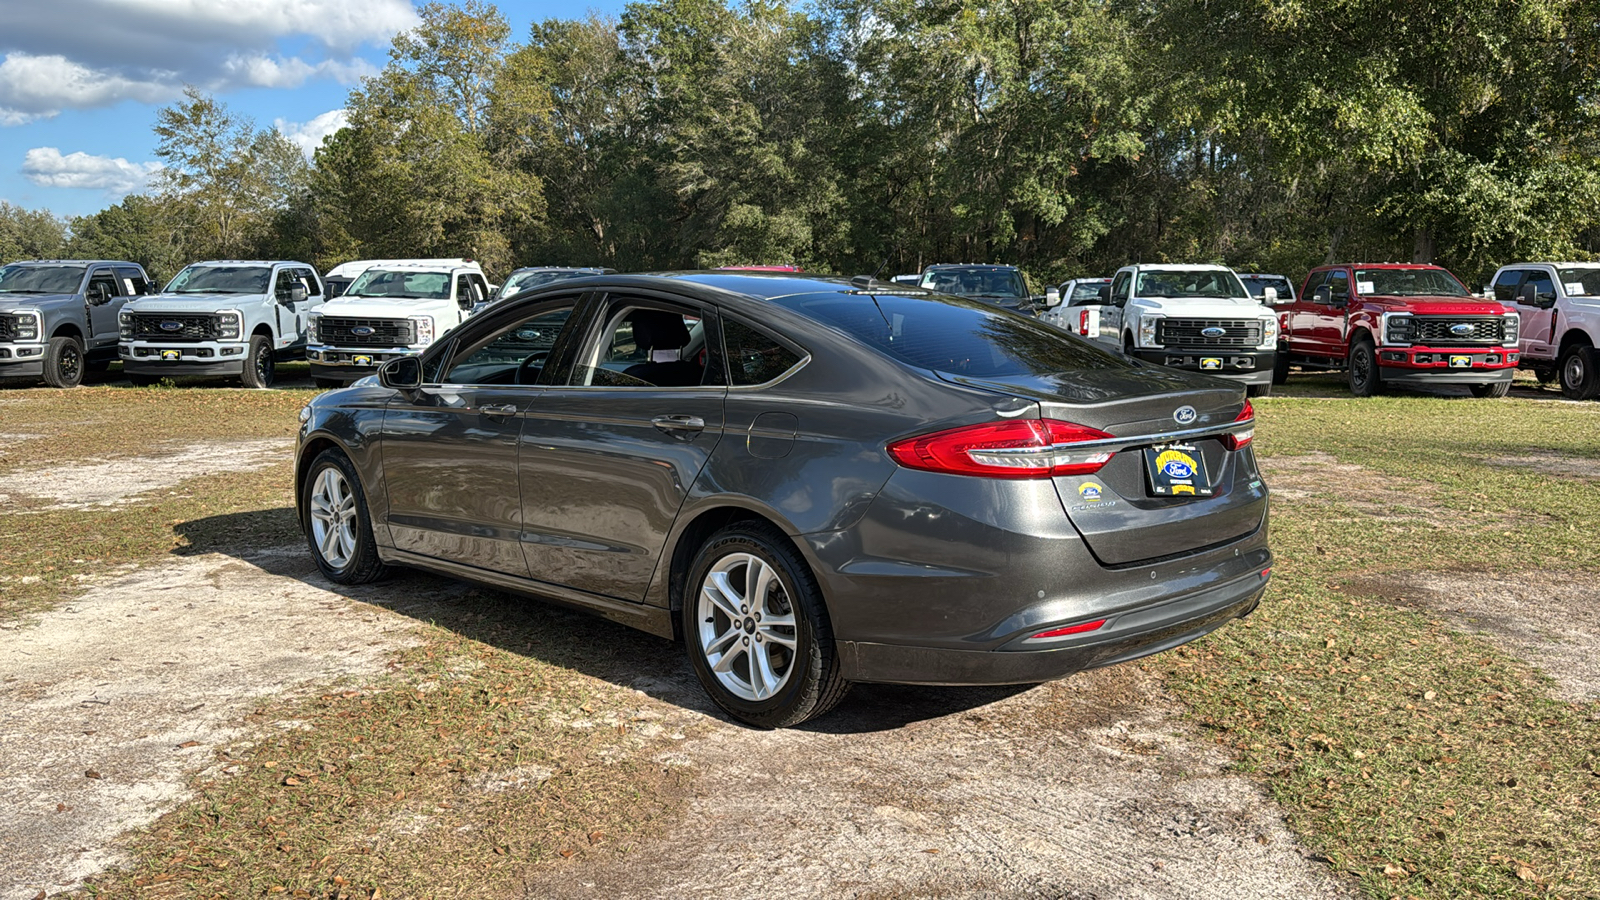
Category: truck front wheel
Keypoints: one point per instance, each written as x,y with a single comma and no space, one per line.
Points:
1280,367
259,368
63,363
1363,364
1494,389
1580,376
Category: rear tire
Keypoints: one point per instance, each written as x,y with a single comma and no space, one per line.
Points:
1280,368
1258,390
64,362
338,525
259,367
1580,373
1545,374
1363,369
1495,389
756,629
327,382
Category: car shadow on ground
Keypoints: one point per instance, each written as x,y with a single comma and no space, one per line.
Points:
540,629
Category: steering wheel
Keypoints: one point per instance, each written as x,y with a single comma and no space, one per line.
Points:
535,358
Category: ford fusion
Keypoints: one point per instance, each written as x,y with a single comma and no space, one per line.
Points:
809,481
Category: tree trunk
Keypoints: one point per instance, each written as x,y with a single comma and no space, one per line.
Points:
1423,249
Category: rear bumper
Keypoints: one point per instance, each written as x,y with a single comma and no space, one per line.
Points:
1245,366
1125,637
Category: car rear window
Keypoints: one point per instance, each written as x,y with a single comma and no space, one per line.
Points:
958,336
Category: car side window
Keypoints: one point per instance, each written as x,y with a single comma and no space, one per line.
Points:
513,354
646,344
753,357
308,279
1505,287
1339,283
1313,281
1544,286
106,281
134,284
284,281
1119,289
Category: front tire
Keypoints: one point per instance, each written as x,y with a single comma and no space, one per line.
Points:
1580,373
756,629
1363,366
338,525
138,380
1280,368
259,367
327,382
64,362
1258,390
1495,389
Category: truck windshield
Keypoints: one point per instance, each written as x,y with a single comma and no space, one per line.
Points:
1409,283
528,280
401,285
1211,283
40,279
221,280
977,282
1583,282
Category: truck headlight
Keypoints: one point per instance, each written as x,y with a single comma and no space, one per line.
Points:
125,324
314,329
1269,333
228,325
1147,331
1513,330
28,325
1397,328
422,327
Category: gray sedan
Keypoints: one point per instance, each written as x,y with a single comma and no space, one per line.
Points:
810,481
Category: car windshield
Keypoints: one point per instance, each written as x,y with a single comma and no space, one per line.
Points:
976,282
401,285
958,336
221,280
528,280
1257,286
1087,291
40,279
1212,283
1584,282
1409,283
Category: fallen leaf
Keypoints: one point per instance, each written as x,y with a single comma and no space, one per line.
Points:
1429,695
92,774
1526,874
1392,870
568,854
187,744
596,837
931,850
62,807
291,781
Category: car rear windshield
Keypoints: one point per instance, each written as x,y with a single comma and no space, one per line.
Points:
958,336
40,279
1086,290
1258,286
221,280
1409,283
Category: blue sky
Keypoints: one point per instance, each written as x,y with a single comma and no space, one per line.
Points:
81,80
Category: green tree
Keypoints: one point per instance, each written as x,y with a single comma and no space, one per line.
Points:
29,234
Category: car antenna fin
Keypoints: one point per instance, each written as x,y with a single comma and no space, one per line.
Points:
861,282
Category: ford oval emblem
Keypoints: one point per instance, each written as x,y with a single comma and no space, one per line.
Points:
1185,415
1178,469
171,326
1461,328
361,330
1213,331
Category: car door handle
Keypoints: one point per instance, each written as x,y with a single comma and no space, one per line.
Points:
498,411
669,424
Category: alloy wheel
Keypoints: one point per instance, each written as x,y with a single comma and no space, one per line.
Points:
333,517
70,366
747,626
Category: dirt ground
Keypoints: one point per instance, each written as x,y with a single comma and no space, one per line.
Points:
113,482
1084,788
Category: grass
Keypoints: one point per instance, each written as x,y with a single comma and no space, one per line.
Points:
1418,760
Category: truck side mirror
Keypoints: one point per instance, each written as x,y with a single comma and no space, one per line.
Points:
1323,294
403,374
1052,297
95,294
1269,296
1103,295
297,293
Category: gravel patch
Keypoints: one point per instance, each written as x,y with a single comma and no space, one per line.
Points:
115,482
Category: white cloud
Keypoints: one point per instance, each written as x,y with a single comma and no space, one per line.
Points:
33,87
308,136
340,24
278,72
46,167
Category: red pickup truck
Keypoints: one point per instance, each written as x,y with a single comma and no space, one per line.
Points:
1400,324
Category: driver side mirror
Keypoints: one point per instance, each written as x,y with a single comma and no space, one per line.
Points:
95,295
1269,296
1529,295
297,293
1052,297
403,374
1323,294
1103,295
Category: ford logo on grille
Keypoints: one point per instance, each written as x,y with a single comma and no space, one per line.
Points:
1185,415
1462,328
361,330
171,326
1213,331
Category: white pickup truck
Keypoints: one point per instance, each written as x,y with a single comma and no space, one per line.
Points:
1195,317
390,310
1558,304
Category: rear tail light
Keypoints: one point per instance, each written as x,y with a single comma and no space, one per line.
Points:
1079,628
1021,448
1083,322
1239,437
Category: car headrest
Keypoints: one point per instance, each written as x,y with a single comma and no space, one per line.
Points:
655,329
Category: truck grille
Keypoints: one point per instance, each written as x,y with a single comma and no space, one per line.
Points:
1436,330
157,327
8,328
340,332
1189,332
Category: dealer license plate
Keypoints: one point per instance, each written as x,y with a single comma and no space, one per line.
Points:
171,355
1177,470
1210,363
362,360
1461,362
